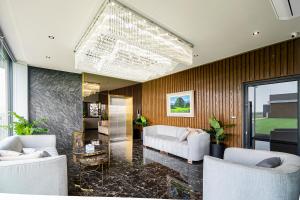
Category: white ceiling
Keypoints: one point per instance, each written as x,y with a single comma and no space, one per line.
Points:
107,83
217,28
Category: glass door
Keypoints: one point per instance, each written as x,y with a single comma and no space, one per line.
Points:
120,118
271,116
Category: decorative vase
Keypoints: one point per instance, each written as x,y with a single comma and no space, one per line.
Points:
217,150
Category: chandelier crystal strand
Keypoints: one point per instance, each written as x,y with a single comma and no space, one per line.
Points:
126,45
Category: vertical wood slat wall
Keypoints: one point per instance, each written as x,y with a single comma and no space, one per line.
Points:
218,86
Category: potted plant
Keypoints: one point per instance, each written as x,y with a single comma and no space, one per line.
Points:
217,132
104,119
141,122
21,126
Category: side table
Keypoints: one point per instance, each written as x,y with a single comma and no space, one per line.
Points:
89,163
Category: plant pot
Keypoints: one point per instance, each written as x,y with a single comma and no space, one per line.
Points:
104,122
217,150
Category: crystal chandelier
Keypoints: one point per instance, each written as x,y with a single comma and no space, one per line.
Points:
123,44
90,88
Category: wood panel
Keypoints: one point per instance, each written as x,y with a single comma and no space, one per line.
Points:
218,86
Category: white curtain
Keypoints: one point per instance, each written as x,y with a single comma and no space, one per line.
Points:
4,64
20,89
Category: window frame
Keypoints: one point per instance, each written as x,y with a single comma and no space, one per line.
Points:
246,85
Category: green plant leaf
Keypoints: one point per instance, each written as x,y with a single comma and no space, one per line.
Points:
141,121
21,126
217,130
214,122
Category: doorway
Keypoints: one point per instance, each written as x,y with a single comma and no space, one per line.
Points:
271,115
120,111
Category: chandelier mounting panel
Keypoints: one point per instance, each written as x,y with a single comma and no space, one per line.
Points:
122,43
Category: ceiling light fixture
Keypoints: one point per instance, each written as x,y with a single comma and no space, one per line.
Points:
51,37
48,57
255,33
295,34
122,43
90,88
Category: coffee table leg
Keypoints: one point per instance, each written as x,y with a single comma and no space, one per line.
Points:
81,172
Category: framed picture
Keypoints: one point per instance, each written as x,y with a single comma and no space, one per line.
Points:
180,104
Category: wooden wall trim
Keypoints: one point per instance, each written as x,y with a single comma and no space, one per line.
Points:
218,86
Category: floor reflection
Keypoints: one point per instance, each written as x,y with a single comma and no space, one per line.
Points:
136,171
121,150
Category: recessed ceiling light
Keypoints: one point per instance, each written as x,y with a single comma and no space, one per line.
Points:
295,34
51,37
48,57
255,33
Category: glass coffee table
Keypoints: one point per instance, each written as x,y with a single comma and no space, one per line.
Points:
90,162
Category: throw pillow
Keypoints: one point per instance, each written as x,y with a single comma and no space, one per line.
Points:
34,155
6,153
12,143
193,131
201,131
270,162
45,154
184,136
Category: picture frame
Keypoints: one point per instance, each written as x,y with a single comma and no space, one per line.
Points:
180,104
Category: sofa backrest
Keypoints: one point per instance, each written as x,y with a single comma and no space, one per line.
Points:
251,157
172,131
37,141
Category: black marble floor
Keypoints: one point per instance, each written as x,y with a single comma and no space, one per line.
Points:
136,171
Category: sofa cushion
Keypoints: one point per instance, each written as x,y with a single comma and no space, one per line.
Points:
270,162
12,143
166,137
6,153
28,150
34,155
51,150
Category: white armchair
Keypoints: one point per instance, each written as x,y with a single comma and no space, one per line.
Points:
43,176
237,176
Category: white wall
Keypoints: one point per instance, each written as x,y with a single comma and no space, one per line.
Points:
20,89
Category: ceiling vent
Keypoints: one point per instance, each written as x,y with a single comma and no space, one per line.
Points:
286,9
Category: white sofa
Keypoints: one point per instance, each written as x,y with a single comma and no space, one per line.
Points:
166,138
237,176
40,176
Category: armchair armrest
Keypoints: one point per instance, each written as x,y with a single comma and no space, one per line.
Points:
37,141
43,176
198,146
236,182
252,157
150,130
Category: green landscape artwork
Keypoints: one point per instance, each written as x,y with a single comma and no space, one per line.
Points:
180,104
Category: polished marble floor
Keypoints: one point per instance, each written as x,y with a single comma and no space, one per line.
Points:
136,171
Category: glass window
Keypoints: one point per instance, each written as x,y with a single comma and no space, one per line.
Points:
4,90
272,116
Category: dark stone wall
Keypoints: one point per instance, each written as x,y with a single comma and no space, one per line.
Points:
56,96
